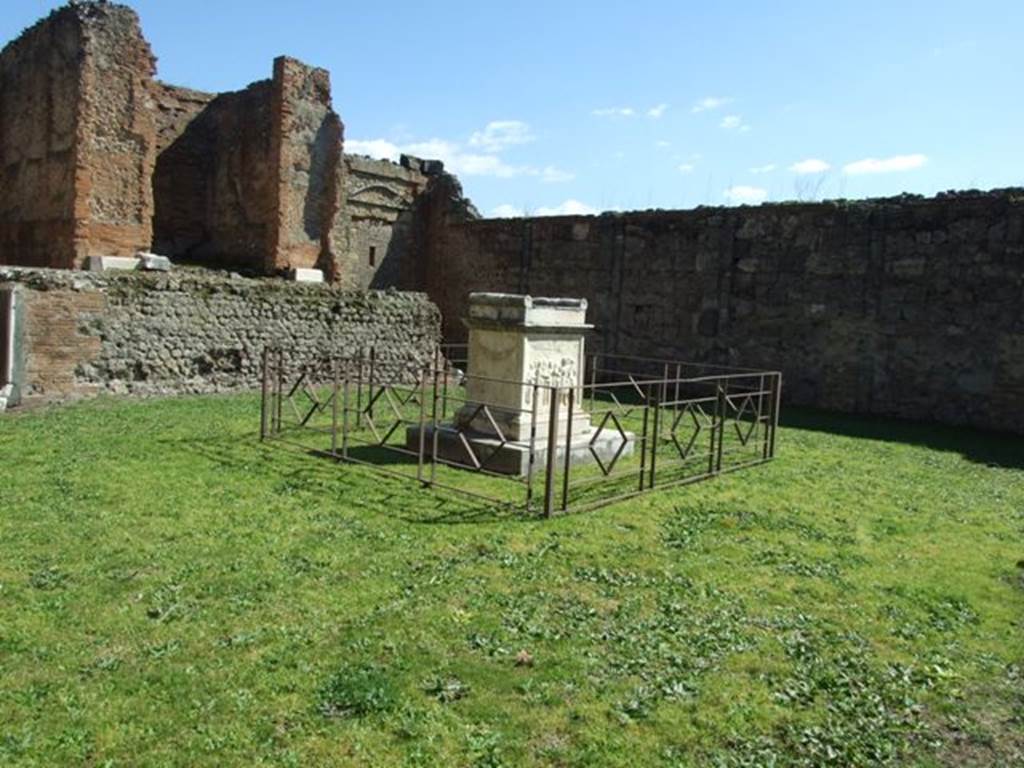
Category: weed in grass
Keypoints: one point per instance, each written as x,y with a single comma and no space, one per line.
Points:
357,691
47,578
446,689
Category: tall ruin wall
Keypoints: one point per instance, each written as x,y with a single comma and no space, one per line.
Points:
84,333
76,138
906,306
99,158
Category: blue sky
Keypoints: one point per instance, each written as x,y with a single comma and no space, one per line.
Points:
576,106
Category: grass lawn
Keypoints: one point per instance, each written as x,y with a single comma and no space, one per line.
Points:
172,592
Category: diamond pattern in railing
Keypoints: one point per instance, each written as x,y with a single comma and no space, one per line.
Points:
689,438
608,416
737,419
388,396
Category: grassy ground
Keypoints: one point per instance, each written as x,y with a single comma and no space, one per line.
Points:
174,593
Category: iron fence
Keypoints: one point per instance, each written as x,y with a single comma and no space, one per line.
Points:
629,426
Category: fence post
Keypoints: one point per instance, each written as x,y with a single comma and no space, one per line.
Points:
280,389
373,370
723,403
264,392
658,397
433,417
359,391
764,415
423,421
568,449
533,449
344,411
593,381
334,409
715,425
776,406
643,446
549,479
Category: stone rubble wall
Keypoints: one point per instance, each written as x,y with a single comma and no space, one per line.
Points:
193,332
906,306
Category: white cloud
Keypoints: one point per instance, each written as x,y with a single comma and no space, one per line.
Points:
686,168
380,148
499,135
887,165
506,211
734,123
709,103
763,168
740,195
456,159
570,207
810,165
614,112
658,111
663,144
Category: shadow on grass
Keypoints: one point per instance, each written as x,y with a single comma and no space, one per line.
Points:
995,449
374,477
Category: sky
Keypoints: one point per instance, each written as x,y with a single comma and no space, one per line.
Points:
546,107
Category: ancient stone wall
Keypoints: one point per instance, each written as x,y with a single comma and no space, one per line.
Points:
116,136
906,306
249,179
76,138
306,135
215,177
194,332
375,229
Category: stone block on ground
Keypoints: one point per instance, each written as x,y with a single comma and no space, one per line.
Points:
152,262
306,275
110,263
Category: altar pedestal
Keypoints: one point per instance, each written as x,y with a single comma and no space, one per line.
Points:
515,343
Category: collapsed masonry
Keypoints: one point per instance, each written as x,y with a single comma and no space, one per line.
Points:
101,159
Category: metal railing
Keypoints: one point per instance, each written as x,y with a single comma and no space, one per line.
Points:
649,424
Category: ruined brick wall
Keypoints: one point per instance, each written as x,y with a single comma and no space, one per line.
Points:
306,193
76,138
193,332
176,108
905,306
375,229
249,179
214,176
116,136
39,87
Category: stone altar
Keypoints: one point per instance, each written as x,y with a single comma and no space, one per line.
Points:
515,342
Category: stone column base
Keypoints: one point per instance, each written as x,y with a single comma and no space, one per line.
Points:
513,457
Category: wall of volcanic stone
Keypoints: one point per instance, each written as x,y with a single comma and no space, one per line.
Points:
907,306
85,333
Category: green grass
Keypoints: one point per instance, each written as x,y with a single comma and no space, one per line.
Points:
172,592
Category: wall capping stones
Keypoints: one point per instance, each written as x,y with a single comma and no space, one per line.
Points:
192,331
903,306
